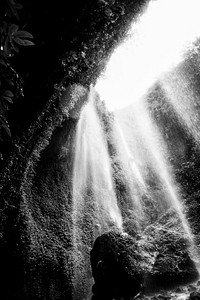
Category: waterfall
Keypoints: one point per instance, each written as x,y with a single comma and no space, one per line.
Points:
92,167
155,46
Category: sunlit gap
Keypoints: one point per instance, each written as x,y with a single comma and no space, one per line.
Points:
154,45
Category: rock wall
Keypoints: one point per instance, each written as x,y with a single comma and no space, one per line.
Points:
36,221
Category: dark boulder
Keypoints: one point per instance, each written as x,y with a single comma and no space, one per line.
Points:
116,261
123,266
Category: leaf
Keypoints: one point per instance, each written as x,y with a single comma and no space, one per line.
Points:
23,42
21,37
28,43
7,129
8,93
8,99
12,29
14,46
3,119
23,34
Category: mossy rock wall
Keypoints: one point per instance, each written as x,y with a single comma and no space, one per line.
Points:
35,186
36,212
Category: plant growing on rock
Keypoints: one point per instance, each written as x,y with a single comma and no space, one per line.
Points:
12,38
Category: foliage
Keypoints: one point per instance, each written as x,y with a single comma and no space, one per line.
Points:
12,38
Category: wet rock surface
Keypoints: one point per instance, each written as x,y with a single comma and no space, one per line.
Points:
173,265
124,267
115,266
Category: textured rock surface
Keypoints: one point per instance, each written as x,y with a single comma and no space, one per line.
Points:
36,250
123,266
36,253
116,263
173,264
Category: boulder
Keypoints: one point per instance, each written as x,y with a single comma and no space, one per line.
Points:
123,266
117,268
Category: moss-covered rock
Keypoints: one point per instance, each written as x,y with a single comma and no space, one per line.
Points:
123,266
174,265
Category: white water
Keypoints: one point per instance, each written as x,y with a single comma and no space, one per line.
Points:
95,206
92,166
158,154
93,171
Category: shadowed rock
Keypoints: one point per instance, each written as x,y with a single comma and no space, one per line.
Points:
123,266
173,264
116,268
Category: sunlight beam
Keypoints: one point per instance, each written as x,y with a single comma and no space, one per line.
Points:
155,44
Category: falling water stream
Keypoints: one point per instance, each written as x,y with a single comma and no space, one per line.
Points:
92,165
156,45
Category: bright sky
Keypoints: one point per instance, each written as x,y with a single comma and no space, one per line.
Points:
156,44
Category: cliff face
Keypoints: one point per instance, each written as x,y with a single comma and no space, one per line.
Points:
37,255
36,216
36,249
